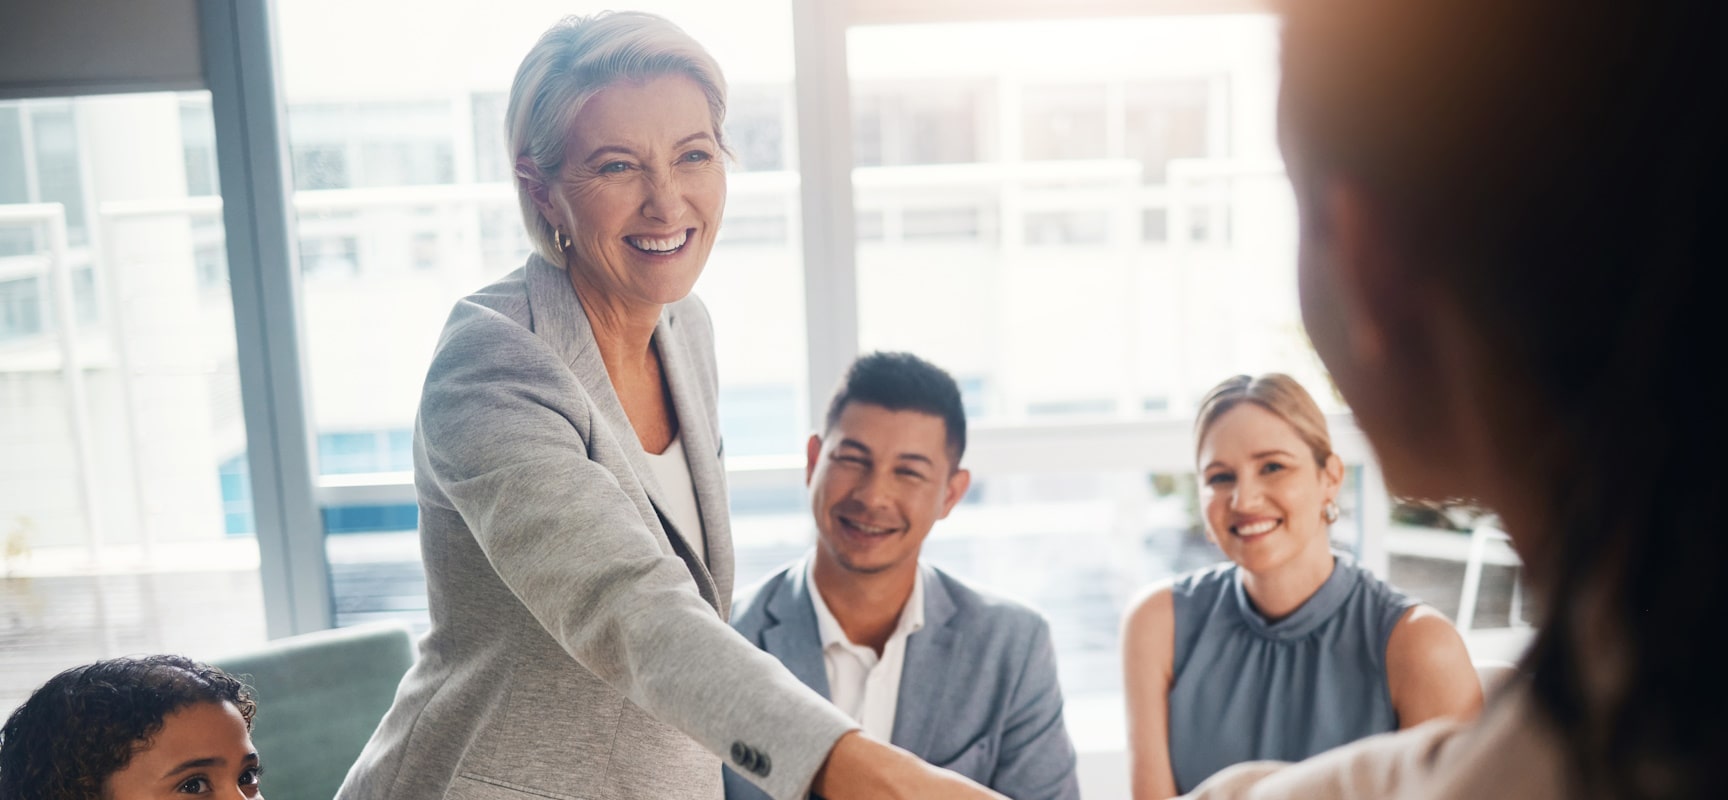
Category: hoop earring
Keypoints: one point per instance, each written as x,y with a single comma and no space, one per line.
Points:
563,242
1329,512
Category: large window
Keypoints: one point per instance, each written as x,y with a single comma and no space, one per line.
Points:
1094,234
1084,221
125,503
1122,242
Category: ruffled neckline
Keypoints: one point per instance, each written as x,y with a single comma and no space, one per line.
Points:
1311,614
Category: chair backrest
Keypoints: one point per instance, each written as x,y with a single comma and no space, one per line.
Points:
320,696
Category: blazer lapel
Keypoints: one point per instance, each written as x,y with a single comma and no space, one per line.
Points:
558,318
791,634
930,670
702,451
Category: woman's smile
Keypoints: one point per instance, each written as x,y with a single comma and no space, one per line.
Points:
1252,529
661,245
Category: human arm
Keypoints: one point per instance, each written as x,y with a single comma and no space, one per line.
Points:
1148,668
1428,670
511,441
866,769
861,767
1388,765
1036,759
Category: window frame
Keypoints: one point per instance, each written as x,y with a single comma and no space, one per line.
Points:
823,89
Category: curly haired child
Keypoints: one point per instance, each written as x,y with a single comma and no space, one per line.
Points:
130,729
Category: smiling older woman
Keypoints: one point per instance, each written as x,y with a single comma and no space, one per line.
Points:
1290,649
572,496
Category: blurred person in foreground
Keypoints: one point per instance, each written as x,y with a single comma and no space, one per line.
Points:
1510,265
567,459
1290,648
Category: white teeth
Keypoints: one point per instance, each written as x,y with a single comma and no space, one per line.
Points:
1257,528
862,528
665,245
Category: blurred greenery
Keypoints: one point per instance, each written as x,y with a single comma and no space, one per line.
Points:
1184,486
1450,515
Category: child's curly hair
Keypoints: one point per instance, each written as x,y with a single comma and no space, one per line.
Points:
84,724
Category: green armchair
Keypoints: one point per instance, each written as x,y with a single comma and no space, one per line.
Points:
320,696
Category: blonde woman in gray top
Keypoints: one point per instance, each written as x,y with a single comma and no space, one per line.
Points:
1288,649
579,593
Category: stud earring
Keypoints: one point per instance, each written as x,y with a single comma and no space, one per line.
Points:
1329,512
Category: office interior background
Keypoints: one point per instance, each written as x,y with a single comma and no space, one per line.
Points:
223,267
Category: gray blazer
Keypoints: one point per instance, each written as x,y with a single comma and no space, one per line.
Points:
578,646
978,692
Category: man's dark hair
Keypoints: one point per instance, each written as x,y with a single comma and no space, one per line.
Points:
903,382
85,724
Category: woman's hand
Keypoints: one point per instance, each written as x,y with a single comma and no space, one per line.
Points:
861,767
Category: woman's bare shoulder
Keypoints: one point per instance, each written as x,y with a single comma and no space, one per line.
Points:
1151,615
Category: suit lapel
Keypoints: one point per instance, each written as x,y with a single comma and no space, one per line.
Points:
931,668
701,450
791,634
558,318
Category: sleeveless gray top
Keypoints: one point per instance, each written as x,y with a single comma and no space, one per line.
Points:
1246,689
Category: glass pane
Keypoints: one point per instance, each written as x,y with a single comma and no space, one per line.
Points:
14,186
59,168
125,504
1116,235
1165,118
1065,121
406,202
1117,240
934,121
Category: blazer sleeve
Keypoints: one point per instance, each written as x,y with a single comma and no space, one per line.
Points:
1037,759
502,423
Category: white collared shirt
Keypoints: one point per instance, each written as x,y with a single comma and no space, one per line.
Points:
863,685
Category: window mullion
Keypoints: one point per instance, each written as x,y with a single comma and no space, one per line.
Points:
823,93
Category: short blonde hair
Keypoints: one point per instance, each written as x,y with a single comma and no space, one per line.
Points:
1277,393
575,59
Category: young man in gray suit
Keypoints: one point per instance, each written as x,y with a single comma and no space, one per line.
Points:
961,678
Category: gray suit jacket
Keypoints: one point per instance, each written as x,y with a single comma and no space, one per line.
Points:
978,692
578,646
